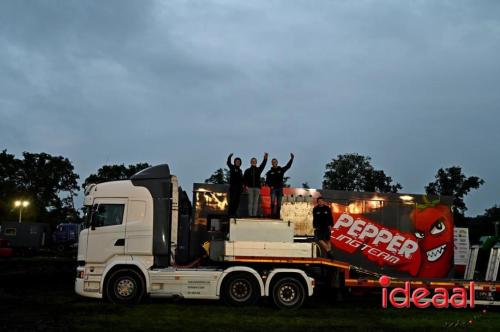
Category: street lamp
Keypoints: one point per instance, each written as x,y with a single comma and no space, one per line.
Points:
21,205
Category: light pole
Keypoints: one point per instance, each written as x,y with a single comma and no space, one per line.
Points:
20,205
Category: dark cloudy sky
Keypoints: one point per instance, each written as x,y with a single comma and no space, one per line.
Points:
413,84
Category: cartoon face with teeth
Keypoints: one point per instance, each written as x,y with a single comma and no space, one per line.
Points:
434,232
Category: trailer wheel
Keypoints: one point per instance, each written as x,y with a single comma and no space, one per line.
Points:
239,289
288,293
125,286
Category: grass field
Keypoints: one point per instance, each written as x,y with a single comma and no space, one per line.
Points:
36,294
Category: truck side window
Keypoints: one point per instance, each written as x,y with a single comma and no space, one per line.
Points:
108,215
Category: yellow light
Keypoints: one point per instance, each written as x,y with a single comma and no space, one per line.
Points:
355,207
406,198
375,204
21,203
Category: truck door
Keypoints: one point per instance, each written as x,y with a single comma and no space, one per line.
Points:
107,232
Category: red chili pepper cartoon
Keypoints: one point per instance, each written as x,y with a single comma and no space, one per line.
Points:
434,231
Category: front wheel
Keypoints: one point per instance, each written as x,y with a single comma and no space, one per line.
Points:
125,287
288,293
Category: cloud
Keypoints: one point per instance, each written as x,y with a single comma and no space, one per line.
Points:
414,85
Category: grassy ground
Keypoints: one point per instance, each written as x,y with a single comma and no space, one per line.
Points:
36,294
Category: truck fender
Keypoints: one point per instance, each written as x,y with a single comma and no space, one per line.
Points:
308,280
125,263
226,272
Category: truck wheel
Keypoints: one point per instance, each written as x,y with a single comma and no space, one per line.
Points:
125,286
239,289
288,293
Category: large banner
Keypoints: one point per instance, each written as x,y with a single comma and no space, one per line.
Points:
395,234
421,248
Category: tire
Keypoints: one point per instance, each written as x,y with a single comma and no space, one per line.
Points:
125,286
288,293
240,289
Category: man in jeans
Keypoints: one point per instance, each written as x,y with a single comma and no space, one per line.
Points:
251,180
274,179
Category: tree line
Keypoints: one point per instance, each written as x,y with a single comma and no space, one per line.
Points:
51,184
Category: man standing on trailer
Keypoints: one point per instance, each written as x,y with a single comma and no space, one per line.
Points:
235,184
251,179
274,179
322,223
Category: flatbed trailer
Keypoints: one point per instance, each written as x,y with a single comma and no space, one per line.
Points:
424,225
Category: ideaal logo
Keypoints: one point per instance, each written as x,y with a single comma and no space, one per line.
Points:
420,296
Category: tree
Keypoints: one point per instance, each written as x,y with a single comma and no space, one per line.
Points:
48,182
452,182
47,178
354,172
305,185
493,213
114,172
9,179
220,176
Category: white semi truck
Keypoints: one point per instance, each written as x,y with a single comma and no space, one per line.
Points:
129,250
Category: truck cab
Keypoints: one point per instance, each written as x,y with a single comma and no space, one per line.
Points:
131,249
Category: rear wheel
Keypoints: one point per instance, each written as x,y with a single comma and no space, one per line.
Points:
288,293
239,289
125,286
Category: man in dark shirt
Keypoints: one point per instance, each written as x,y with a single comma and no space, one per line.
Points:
251,180
235,185
274,179
322,222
